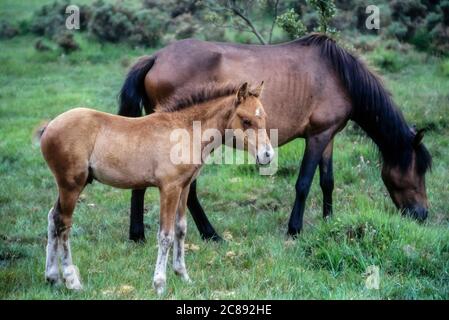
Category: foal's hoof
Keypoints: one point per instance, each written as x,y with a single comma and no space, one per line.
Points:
72,278
184,275
159,285
53,279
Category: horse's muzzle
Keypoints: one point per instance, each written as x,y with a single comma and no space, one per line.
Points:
417,212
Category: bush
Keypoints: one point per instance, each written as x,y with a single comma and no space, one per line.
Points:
110,22
423,23
50,19
7,30
444,67
387,60
116,23
290,22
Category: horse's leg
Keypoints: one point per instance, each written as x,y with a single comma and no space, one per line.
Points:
315,146
327,179
179,265
169,199
136,227
205,228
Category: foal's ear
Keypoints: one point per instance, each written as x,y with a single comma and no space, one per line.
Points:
418,137
242,92
258,91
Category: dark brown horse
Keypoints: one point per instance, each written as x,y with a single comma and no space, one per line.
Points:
313,87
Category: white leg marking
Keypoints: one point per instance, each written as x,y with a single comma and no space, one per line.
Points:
51,263
70,272
178,250
165,241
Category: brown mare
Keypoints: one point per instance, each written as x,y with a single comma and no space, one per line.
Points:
83,144
313,87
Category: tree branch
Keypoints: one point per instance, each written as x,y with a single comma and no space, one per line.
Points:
275,15
238,13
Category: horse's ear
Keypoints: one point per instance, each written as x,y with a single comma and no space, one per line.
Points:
242,92
418,137
258,91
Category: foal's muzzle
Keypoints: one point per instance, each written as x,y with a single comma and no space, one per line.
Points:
265,154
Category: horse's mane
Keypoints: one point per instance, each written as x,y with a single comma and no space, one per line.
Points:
188,97
373,108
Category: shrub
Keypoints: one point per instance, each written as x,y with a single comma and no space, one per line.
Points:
7,30
387,60
148,27
290,22
110,22
50,19
444,67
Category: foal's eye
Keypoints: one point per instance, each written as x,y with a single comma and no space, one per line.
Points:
246,123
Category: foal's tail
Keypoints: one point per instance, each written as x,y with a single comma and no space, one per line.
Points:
39,131
132,97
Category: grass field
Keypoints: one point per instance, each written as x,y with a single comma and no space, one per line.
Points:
328,260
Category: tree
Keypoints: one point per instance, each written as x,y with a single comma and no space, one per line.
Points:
252,16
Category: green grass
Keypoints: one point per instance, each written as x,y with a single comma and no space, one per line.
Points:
327,261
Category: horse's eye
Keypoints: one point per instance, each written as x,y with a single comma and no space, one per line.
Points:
246,123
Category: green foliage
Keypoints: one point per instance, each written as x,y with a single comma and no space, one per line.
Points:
326,10
444,67
50,19
388,60
422,23
8,30
290,22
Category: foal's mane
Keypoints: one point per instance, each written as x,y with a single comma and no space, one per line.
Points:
191,96
373,108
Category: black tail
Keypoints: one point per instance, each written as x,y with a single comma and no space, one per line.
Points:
372,106
132,96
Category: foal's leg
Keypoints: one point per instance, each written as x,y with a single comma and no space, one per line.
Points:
179,265
63,221
169,199
52,263
205,228
136,226
327,180
315,146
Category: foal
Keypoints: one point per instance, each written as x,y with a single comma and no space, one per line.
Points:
83,144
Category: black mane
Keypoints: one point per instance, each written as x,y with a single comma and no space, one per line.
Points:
188,97
373,108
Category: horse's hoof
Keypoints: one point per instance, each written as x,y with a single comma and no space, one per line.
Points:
137,237
212,237
293,232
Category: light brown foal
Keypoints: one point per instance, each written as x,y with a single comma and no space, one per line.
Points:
83,144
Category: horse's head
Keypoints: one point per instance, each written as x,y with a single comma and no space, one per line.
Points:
407,187
248,123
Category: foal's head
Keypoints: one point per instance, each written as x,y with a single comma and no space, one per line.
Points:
248,123
407,187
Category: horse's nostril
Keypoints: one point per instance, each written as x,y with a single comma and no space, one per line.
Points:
267,154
